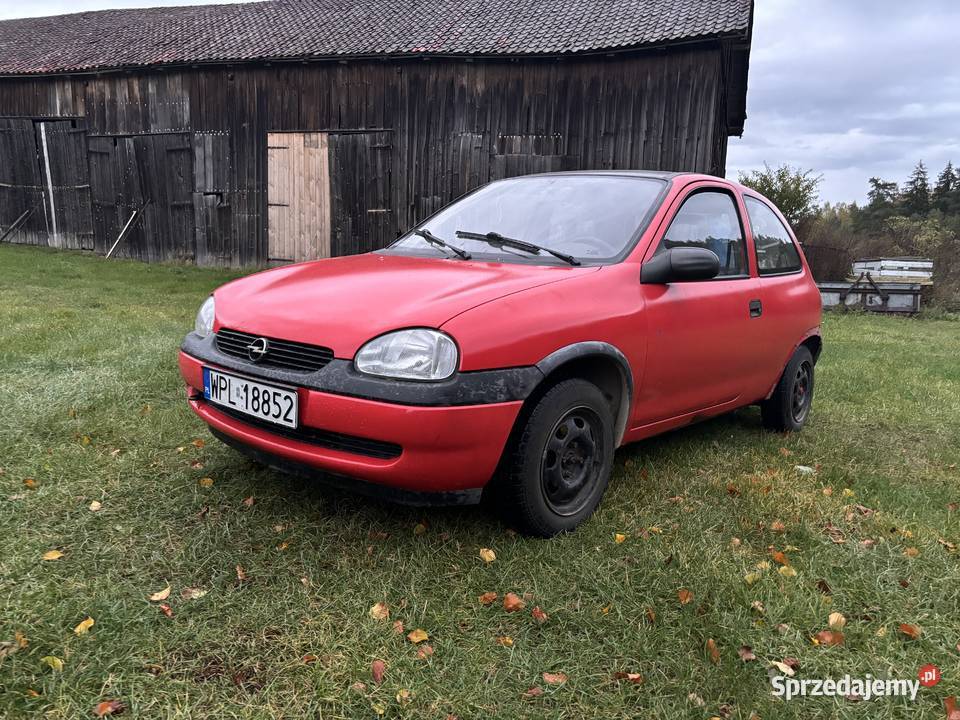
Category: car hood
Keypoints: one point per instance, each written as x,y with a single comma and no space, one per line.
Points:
341,303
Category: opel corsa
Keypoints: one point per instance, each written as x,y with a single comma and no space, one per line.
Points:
512,341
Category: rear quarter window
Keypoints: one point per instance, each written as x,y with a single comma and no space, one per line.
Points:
776,252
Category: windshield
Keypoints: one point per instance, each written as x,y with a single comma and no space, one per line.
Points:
590,217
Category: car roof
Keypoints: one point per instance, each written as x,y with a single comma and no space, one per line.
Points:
656,174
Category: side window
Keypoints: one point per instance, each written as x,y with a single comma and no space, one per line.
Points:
709,220
776,252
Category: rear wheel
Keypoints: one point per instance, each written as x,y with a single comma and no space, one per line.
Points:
559,464
788,407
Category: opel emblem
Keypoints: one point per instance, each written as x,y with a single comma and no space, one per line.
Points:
257,350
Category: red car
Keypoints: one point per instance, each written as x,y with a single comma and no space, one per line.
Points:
514,340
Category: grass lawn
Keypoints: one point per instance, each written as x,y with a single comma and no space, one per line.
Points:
92,409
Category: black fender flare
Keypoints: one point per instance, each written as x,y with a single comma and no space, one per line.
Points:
596,348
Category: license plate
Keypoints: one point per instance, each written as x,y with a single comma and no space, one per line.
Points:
265,402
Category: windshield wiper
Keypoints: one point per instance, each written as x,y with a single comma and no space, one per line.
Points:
434,240
498,240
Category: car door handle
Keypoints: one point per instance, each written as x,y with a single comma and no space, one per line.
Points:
756,308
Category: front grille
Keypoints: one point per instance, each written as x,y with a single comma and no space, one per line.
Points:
280,353
324,438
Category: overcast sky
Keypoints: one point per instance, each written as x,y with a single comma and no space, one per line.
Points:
850,89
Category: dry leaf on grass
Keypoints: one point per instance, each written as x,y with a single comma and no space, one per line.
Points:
241,574
539,615
787,571
487,555
95,506
248,502
198,443
828,638
513,602
84,626
205,482
684,595
533,692
166,610
417,636
53,662
109,707
713,651
52,555
635,678
911,552
379,611
746,653
836,621
557,678
910,631
377,669
619,538
192,593
505,640
783,668
161,594
488,598
424,651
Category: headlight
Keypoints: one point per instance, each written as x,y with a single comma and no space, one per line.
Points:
416,354
204,323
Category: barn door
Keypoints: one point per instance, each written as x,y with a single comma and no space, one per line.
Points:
21,185
143,195
298,196
361,181
62,146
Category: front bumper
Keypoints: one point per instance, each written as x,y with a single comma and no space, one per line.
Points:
451,450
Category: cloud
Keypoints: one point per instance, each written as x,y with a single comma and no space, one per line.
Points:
852,90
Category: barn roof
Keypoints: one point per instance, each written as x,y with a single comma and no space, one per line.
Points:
317,29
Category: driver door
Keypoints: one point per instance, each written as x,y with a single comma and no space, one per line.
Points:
701,338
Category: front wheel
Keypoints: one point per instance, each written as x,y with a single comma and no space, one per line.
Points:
559,465
788,406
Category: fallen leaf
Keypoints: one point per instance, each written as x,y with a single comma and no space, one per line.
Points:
746,653
29,483
828,491
20,639
166,610
713,651
804,469
487,555
513,603
488,598
309,659
787,571
205,482
950,705
109,707
696,699
192,593
198,443
32,693
533,692
836,621
777,526
53,662
635,678
847,492
824,587
910,631
398,627
420,528
828,637
505,640
95,506
558,678
783,668
684,595
948,545
84,626
911,552
785,452
735,542
358,687
417,636
751,578
377,669
52,555
161,594
404,696
619,538
650,614
424,651
780,558
248,502
539,615
241,574
379,611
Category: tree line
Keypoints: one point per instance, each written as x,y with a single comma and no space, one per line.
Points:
914,218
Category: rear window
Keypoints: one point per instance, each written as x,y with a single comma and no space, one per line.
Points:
776,252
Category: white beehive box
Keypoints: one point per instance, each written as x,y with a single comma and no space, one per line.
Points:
904,269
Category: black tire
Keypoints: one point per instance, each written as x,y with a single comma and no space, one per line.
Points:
788,408
559,463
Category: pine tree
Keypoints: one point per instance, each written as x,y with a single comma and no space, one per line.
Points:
947,182
882,192
915,199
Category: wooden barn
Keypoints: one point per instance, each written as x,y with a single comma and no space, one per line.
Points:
295,129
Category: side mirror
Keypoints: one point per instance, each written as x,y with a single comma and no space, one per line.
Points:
681,264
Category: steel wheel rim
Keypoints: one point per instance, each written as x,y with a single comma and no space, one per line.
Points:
572,460
801,392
